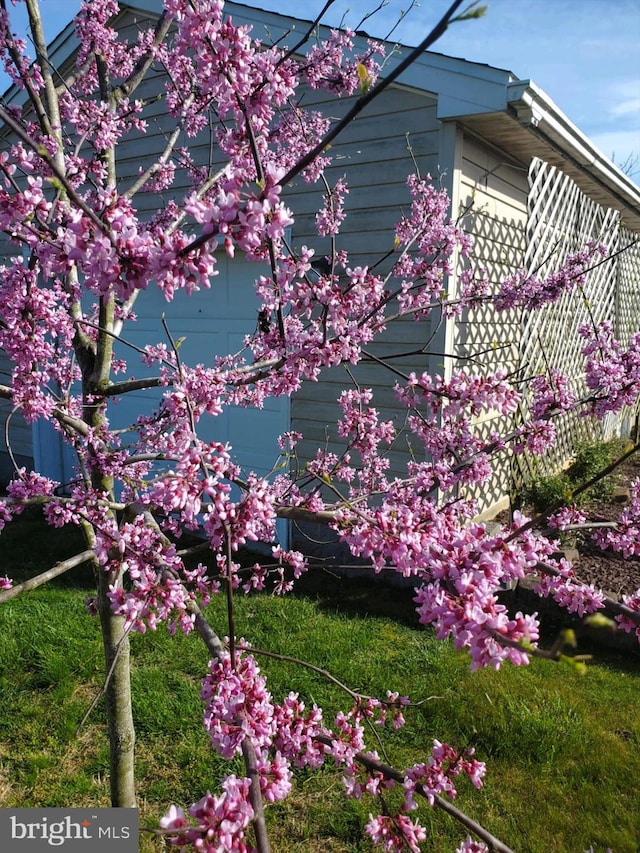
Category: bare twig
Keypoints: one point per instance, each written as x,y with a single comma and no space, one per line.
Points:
309,32
323,672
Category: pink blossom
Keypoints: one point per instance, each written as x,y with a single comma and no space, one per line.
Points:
525,290
566,517
632,602
625,536
469,845
87,251
238,705
395,834
219,822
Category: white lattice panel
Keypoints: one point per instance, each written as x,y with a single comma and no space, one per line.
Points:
561,221
628,301
558,220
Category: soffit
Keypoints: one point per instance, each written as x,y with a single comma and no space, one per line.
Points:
526,142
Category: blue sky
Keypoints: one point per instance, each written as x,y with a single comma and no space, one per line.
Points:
585,54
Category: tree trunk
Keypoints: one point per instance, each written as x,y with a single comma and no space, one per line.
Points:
118,698
94,358
95,367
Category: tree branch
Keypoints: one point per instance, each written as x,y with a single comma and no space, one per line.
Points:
616,606
54,572
255,797
18,62
355,110
73,196
592,481
391,773
119,388
373,93
146,60
324,673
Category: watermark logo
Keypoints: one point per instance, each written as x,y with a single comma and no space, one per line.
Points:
69,830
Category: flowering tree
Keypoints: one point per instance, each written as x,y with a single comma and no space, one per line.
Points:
84,257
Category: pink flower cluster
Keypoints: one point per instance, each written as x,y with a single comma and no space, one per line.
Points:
612,373
426,239
625,537
576,597
157,589
626,622
551,394
523,290
239,706
566,517
331,65
221,822
443,413
437,775
395,834
470,845
431,779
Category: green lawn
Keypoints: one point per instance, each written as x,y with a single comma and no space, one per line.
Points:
563,751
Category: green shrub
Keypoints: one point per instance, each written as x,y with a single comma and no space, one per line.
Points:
590,458
547,491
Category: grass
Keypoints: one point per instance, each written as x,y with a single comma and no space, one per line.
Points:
563,751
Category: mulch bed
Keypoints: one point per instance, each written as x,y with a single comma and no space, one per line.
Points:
606,569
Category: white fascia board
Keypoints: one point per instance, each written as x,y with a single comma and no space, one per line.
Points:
538,113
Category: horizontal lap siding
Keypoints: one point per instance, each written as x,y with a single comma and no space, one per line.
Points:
494,191
374,155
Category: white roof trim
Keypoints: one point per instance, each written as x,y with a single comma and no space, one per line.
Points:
538,113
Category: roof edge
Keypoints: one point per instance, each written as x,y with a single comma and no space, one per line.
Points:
535,110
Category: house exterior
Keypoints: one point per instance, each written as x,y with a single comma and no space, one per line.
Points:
532,188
